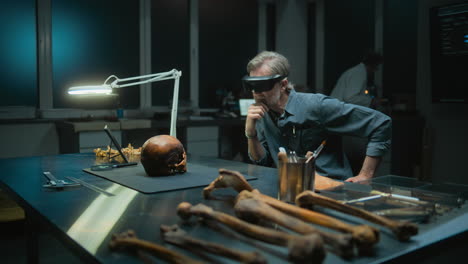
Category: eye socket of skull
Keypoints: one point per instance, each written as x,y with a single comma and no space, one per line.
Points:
163,155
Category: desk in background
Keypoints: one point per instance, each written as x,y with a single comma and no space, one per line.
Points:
221,138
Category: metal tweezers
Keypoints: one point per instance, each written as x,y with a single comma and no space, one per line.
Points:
55,183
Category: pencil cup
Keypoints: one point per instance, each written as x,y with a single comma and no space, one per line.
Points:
295,177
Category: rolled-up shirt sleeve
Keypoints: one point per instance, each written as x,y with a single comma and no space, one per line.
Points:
348,119
266,160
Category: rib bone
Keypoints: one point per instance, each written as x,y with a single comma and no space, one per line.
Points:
364,236
403,230
175,235
128,239
302,249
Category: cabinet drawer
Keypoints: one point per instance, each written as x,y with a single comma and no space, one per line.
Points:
202,133
98,139
203,148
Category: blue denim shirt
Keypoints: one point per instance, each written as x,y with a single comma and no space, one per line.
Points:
310,118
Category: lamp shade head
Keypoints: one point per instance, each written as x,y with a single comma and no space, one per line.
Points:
103,89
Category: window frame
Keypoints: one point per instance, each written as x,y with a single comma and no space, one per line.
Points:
146,109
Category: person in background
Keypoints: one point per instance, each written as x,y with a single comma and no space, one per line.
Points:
282,117
356,85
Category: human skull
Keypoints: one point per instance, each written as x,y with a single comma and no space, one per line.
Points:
163,155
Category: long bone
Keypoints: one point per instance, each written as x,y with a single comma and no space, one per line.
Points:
235,180
128,239
254,210
302,249
177,236
402,229
364,236
226,179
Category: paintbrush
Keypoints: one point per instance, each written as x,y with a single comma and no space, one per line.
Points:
317,151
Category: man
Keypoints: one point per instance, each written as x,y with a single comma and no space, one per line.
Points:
281,117
356,85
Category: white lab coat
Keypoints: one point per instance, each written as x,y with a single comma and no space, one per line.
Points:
352,85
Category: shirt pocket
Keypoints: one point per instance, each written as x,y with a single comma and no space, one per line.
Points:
305,139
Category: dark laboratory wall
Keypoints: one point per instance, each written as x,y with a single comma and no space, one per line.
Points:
311,38
271,26
228,39
349,34
91,41
18,68
170,48
399,85
400,46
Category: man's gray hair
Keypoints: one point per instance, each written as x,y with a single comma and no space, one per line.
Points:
277,63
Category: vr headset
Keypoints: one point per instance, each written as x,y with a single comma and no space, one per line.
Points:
260,84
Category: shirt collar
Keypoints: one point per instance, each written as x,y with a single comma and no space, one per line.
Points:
292,104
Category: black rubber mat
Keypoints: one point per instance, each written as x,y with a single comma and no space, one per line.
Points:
134,177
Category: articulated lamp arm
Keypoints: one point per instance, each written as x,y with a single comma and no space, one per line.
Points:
155,77
132,81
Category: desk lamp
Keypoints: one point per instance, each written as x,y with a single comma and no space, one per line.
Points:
106,88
